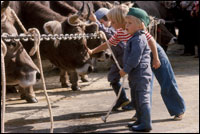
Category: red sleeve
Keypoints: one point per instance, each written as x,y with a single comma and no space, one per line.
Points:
114,39
148,35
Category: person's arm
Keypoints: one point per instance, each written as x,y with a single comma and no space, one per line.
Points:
98,49
152,44
114,40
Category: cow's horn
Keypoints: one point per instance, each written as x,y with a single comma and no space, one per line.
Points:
89,11
81,10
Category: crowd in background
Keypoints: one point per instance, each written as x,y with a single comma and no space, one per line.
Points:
189,27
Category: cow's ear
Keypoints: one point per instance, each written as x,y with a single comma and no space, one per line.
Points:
53,27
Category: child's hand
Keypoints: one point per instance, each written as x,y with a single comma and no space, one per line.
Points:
122,73
89,51
93,17
156,63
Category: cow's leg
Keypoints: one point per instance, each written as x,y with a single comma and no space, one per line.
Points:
73,77
64,78
94,63
10,89
84,78
28,94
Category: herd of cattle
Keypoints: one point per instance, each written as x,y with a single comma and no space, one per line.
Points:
63,17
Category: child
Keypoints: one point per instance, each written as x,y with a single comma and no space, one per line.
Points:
137,66
101,16
113,76
163,72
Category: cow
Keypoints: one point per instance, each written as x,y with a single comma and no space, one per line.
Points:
70,55
66,9
94,5
19,67
62,8
157,10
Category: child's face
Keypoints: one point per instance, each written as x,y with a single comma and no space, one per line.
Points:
131,26
105,23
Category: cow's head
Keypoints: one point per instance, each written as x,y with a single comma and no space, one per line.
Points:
19,67
93,43
71,51
164,37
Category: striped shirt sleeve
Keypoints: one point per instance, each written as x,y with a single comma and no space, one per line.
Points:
122,35
114,39
148,35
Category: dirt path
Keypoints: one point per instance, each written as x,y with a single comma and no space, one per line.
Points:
81,111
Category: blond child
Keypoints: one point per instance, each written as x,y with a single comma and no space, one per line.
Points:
136,63
100,17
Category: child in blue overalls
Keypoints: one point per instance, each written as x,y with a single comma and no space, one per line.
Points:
136,63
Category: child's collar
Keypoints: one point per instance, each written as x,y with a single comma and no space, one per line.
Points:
139,32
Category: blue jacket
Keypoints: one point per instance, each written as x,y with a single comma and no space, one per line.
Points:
137,52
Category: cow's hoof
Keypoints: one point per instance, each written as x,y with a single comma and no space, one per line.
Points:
76,88
65,85
23,97
31,100
84,80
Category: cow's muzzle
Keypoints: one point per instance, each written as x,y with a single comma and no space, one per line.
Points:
90,69
87,68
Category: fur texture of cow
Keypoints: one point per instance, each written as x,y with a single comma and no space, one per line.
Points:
19,67
69,54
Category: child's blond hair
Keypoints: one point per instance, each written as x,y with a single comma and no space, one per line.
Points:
118,13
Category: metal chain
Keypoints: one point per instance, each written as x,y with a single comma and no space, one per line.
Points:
26,37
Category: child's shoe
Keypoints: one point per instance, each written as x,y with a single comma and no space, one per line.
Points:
128,107
133,124
120,104
140,128
179,117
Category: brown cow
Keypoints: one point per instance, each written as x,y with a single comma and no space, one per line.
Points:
70,55
66,8
19,67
